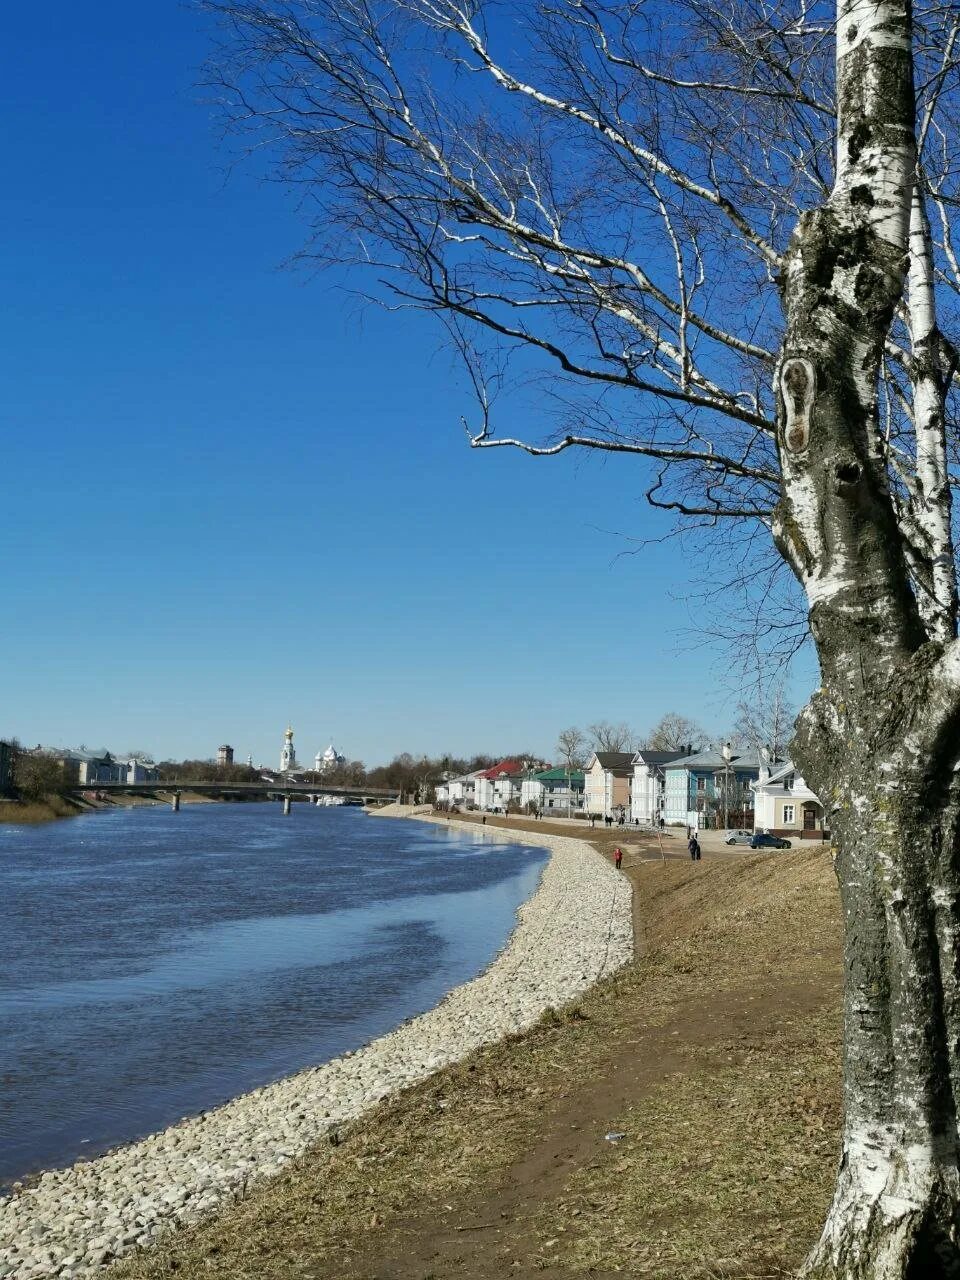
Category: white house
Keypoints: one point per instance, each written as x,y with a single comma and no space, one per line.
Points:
646,793
460,791
785,806
499,787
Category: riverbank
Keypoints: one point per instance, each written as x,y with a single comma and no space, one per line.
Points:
55,808
575,929
32,812
713,1059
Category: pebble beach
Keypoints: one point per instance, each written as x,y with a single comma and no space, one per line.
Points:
576,929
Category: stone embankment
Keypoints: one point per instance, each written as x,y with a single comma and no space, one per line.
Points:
575,929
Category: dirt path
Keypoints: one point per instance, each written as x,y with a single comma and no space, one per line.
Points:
715,1054
496,1233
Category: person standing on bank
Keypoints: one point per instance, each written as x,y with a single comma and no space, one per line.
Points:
694,847
618,857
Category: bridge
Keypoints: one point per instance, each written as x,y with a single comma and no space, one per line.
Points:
280,790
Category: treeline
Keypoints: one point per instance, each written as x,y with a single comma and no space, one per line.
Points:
412,774
35,775
206,771
415,775
405,772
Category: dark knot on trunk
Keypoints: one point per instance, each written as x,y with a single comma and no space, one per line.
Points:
848,475
798,386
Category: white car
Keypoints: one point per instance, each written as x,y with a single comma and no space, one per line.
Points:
738,837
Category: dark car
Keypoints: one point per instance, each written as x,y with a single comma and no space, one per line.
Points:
763,841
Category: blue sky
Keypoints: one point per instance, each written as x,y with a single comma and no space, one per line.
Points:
231,498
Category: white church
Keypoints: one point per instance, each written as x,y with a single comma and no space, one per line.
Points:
323,761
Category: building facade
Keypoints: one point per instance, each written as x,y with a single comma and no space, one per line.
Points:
91,768
6,766
607,781
649,782
460,791
709,789
785,806
499,787
224,755
558,791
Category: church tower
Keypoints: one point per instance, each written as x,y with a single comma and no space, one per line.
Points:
288,756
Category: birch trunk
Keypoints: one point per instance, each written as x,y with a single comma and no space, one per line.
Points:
896,1207
880,741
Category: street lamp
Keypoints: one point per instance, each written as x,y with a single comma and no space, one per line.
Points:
727,753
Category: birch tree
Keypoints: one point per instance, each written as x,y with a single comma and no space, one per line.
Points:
719,236
766,721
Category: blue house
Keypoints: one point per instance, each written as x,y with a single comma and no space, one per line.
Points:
702,789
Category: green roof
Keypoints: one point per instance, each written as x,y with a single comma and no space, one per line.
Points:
559,775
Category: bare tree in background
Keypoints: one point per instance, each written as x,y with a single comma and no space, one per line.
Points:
675,733
571,747
605,736
726,230
766,721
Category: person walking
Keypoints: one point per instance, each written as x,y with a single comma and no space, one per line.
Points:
694,847
618,857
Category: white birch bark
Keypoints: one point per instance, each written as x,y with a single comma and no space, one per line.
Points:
938,603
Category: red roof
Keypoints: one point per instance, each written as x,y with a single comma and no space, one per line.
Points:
508,767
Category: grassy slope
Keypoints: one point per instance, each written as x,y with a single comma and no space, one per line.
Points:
31,812
716,1053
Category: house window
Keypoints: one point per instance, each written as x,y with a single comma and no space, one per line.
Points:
788,782
701,784
788,812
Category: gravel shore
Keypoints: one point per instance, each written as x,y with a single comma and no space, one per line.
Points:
575,929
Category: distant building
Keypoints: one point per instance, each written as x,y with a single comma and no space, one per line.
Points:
499,787
6,766
141,771
327,760
608,779
224,755
704,788
649,781
91,768
288,756
785,805
558,790
460,790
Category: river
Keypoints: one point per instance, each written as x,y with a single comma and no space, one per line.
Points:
154,964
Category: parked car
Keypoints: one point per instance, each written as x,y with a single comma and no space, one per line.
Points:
738,837
763,841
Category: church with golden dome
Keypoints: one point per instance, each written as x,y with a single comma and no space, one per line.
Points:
323,761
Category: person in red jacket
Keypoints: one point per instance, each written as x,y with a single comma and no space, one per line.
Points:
618,857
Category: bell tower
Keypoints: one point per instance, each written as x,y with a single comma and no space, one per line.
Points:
288,756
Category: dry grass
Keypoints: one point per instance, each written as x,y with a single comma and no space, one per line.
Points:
716,1052
726,1170
30,813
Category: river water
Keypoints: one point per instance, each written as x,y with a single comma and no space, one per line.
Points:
154,964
